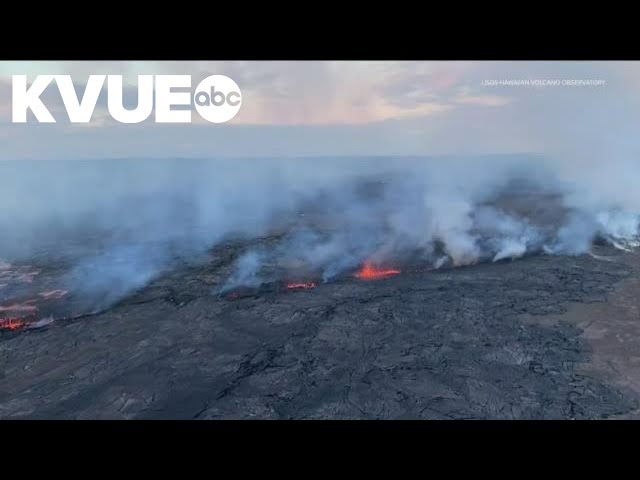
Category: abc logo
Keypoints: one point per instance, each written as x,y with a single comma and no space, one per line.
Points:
218,99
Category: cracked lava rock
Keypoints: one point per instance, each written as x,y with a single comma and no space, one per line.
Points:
461,343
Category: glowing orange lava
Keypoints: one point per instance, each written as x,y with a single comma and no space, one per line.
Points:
19,319
301,285
369,272
12,323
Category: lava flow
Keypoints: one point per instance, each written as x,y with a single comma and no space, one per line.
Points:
23,315
302,285
369,272
12,323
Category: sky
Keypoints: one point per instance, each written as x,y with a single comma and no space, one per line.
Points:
333,108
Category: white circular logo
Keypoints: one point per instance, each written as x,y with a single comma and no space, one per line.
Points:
217,98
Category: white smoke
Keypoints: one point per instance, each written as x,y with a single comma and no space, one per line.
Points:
246,271
622,229
119,224
427,211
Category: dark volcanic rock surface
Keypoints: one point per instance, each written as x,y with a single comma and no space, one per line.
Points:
445,344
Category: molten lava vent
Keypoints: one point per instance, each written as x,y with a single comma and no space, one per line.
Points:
33,313
12,324
18,315
369,272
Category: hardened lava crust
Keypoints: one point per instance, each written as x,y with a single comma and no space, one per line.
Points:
543,336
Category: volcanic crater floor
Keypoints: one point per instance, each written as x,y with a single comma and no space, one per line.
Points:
545,337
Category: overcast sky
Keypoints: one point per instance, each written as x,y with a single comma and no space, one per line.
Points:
350,108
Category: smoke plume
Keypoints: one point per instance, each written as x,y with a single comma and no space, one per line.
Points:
115,225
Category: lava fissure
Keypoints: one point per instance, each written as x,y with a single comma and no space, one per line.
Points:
12,323
369,272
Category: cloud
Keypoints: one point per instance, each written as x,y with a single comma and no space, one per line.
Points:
332,108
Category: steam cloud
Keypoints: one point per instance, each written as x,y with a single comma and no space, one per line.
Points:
447,211
115,225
